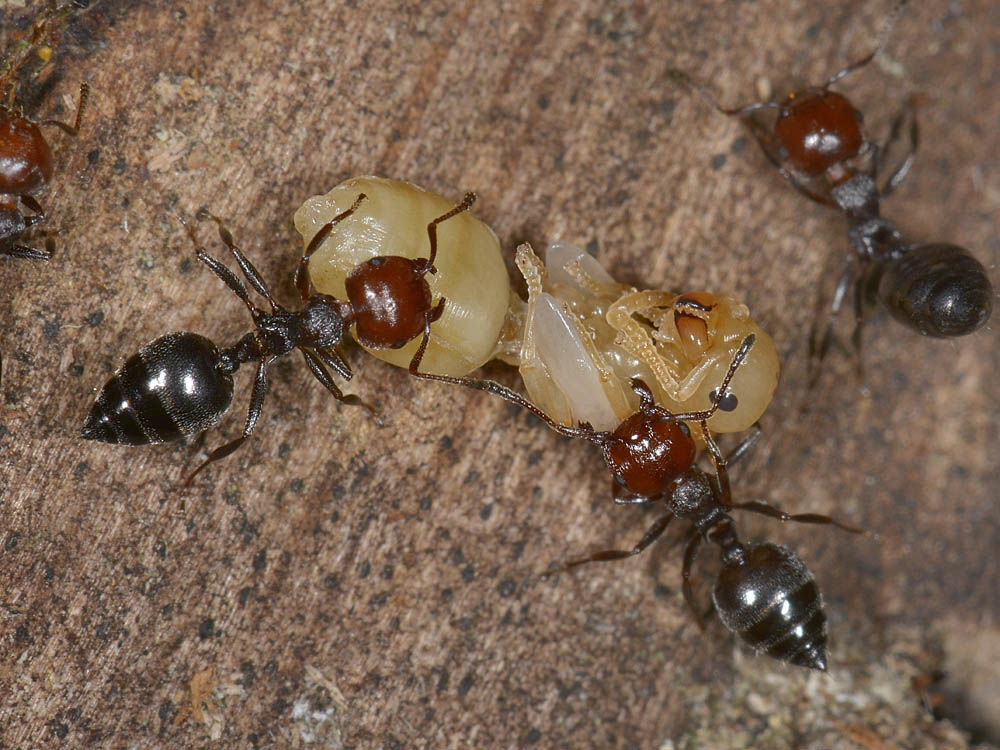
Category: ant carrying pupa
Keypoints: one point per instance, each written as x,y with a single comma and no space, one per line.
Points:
580,337
181,383
764,593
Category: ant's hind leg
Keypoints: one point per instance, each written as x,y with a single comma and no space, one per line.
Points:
652,534
769,510
690,553
315,363
819,343
253,414
24,251
900,173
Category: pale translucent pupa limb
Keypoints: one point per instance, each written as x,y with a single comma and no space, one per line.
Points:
562,369
636,338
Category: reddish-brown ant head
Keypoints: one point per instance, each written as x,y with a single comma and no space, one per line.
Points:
391,300
25,157
646,453
818,129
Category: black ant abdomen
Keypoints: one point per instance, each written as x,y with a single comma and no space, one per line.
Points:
766,595
171,388
937,289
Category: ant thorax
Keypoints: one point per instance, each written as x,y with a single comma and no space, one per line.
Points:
581,338
469,272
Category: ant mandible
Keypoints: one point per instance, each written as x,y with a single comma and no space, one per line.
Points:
936,289
181,383
764,593
26,165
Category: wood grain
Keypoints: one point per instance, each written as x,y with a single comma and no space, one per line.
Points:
335,584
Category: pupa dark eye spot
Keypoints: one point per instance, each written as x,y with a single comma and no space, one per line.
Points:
729,402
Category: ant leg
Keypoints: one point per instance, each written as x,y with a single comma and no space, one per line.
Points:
720,482
690,553
23,251
319,372
621,497
652,534
35,206
223,272
253,414
859,316
820,345
745,445
769,510
903,170
418,356
465,205
30,253
301,272
249,270
333,358
73,129
229,279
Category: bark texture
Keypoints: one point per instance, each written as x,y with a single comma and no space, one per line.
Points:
334,584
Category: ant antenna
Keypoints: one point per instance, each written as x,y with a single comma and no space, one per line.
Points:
883,39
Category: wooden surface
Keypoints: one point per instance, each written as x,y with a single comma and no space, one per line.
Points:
339,585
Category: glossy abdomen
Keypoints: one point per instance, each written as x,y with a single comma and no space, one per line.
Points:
170,388
770,600
937,289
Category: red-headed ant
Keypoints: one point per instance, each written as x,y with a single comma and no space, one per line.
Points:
764,593
818,146
181,383
26,165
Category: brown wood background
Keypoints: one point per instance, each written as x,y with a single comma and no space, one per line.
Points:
339,585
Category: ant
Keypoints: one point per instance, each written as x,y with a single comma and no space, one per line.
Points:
181,383
817,144
389,299
764,593
26,165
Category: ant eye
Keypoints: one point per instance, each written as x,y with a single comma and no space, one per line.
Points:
619,479
729,402
685,429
